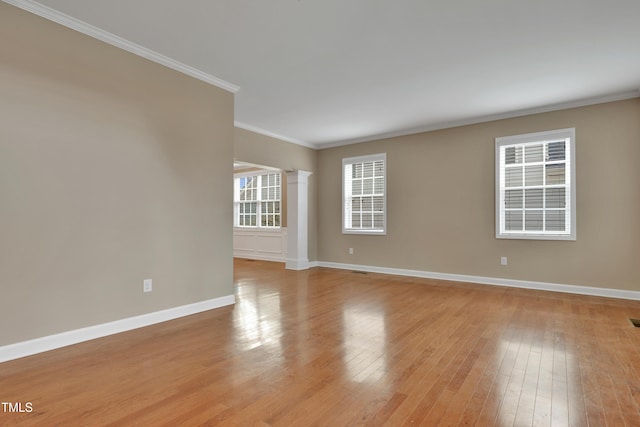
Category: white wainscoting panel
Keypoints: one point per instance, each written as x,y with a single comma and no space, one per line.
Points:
260,243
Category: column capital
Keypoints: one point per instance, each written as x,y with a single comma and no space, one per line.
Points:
297,176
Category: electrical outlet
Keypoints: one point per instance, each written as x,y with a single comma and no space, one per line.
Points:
350,251
147,285
503,260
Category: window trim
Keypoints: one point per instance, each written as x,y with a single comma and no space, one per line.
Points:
540,137
236,201
361,159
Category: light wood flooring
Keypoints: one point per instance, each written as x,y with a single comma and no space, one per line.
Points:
341,348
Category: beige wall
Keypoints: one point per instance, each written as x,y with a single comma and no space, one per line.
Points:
262,150
113,169
441,206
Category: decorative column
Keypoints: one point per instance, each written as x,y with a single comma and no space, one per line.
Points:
297,220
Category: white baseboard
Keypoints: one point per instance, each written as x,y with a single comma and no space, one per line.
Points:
51,342
542,286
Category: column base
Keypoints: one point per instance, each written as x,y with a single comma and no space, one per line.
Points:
297,264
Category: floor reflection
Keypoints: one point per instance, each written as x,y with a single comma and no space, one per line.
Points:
533,381
257,319
365,357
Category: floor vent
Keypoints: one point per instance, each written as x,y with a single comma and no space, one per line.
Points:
366,272
635,322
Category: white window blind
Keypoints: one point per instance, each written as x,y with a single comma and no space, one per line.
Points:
364,194
257,200
535,186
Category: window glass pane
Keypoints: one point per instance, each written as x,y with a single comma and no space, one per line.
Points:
379,168
533,153
276,221
367,220
253,220
367,203
355,220
555,174
533,220
533,175
367,186
367,170
378,220
513,177
556,151
356,187
379,186
555,198
533,198
513,155
357,170
555,220
513,199
378,204
513,220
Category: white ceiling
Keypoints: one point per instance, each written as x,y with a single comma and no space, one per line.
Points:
328,72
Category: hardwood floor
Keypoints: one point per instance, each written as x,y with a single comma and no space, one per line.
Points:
330,347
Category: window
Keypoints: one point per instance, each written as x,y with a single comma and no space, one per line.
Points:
535,186
257,200
364,204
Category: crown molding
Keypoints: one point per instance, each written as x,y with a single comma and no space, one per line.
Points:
255,129
119,42
483,119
